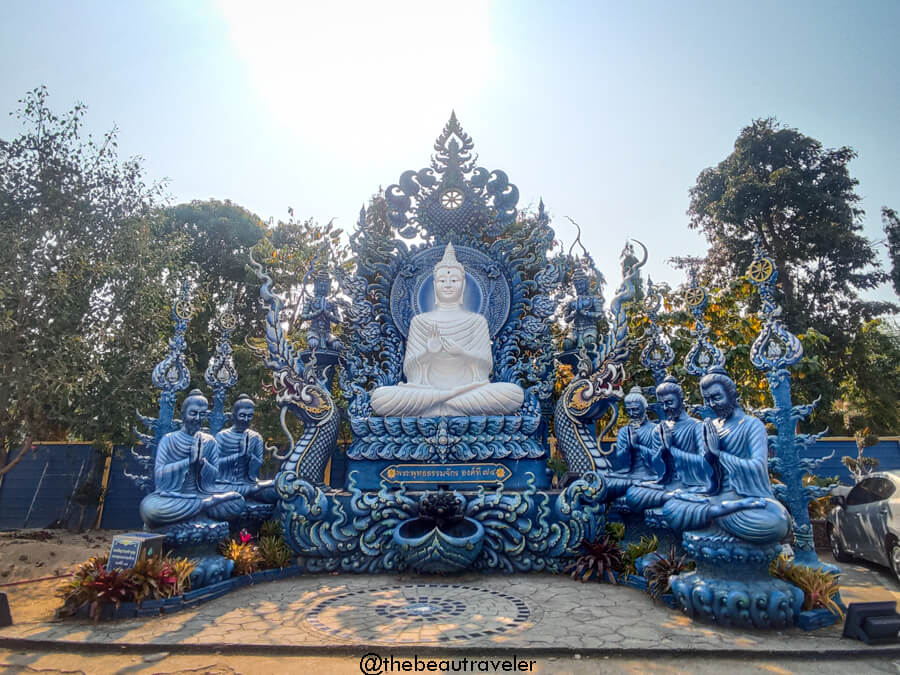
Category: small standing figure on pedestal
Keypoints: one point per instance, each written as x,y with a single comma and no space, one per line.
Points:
241,456
322,314
582,314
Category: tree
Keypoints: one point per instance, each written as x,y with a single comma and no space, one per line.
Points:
85,279
891,222
800,199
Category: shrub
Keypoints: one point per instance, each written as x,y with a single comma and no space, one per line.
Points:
270,528
274,552
601,557
94,586
162,577
615,530
634,551
245,555
820,588
662,569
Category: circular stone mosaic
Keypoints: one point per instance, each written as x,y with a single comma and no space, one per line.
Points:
419,613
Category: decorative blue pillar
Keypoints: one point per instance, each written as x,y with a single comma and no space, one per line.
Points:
703,354
221,374
657,355
774,351
170,375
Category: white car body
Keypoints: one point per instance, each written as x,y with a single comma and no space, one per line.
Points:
866,522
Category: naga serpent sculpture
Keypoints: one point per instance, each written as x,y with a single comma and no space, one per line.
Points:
597,388
298,390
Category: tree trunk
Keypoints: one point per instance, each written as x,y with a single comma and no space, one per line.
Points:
26,446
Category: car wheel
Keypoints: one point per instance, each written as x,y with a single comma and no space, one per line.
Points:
840,554
894,557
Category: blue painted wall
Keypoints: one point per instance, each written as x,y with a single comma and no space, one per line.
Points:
887,452
37,491
120,508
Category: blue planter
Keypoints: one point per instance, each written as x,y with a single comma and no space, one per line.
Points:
813,619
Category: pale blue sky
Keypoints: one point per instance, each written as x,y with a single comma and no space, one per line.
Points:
607,110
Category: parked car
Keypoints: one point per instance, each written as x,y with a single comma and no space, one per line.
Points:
866,521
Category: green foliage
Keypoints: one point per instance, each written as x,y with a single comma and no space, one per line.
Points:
867,377
245,555
662,569
615,530
820,589
94,586
270,528
274,552
891,223
85,281
601,558
784,187
800,199
558,466
636,550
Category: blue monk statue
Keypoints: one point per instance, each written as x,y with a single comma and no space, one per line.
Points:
681,439
735,529
186,474
637,451
241,455
740,500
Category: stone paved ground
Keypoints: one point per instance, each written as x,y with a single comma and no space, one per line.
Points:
542,613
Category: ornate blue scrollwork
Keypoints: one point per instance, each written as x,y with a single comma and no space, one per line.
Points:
597,388
300,390
657,355
170,375
221,374
703,354
518,531
467,200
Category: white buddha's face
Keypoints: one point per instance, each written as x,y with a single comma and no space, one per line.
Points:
448,284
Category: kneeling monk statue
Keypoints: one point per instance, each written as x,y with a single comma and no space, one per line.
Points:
448,359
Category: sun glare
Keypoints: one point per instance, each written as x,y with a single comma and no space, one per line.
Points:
351,70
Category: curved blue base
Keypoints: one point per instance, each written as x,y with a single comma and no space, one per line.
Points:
356,531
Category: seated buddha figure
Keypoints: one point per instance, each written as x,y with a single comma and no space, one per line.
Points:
637,449
186,474
740,501
681,439
448,359
241,455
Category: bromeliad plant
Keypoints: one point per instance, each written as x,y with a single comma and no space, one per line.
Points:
94,586
245,555
662,569
268,552
601,558
820,589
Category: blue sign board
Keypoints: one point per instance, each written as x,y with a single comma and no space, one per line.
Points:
127,549
446,473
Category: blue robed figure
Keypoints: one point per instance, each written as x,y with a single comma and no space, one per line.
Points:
187,475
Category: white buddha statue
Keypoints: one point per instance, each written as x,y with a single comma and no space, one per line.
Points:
448,359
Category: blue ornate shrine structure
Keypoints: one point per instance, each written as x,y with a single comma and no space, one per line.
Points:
443,491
